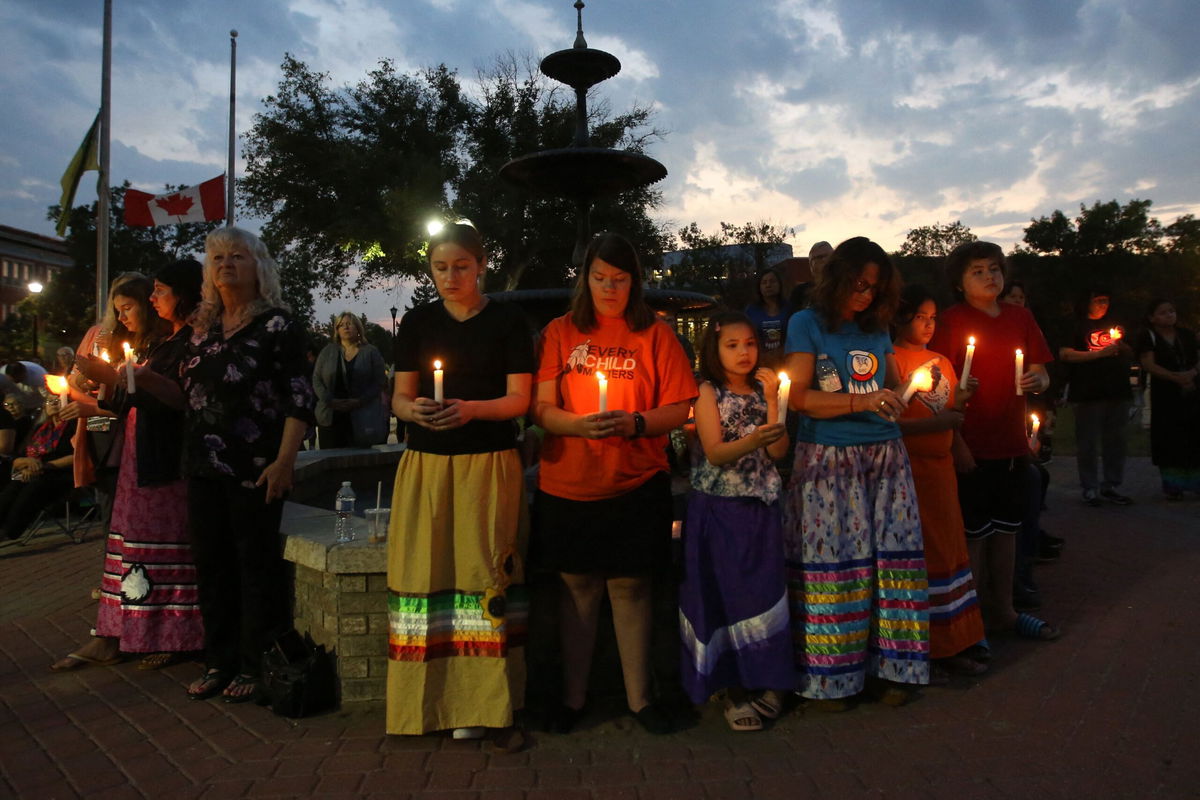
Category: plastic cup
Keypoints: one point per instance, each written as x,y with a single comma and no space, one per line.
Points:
377,523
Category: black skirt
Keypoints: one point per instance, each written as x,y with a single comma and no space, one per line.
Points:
625,535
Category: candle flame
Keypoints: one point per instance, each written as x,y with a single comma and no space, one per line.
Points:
1033,418
437,364
1114,333
971,341
57,384
104,355
125,346
1019,352
783,376
600,376
923,380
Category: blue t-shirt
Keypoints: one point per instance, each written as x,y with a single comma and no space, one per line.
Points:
861,362
770,326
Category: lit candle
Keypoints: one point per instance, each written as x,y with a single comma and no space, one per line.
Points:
102,392
57,384
1020,369
438,394
1114,334
1037,424
919,381
603,381
128,367
785,391
970,357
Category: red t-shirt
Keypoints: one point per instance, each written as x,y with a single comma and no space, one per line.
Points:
645,370
994,426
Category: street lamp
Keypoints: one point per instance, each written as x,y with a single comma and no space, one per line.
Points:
393,309
35,288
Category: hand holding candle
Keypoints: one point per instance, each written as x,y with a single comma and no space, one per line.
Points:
1020,370
785,391
438,375
920,381
57,384
966,373
603,382
129,385
102,392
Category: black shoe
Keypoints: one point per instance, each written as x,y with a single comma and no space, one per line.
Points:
1112,496
1047,540
654,720
1092,499
563,718
1025,599
1047,553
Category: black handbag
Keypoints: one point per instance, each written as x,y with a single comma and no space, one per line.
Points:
298,677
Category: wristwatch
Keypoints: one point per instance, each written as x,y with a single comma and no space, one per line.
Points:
639,424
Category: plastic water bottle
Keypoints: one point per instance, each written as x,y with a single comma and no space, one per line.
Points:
827,375
344,506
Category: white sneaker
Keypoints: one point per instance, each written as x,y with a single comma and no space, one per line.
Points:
469,733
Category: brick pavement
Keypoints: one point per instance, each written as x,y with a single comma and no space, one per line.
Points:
1109,710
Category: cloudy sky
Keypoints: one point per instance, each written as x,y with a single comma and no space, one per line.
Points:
836,117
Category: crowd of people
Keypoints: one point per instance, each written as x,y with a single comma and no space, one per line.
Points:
896,549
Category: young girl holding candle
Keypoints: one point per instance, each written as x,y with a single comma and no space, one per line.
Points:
852,535
456,541
992,480
930,426
733,608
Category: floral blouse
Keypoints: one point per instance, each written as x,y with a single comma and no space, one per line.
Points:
752,475
239,392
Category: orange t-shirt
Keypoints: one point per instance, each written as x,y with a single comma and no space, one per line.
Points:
926,404
645,370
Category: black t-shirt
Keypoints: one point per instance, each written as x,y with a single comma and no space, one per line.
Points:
477,357
1105,378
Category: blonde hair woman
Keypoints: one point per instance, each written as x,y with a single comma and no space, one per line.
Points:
348,380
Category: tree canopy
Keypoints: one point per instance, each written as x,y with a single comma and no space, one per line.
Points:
1103,228
348,177
936,240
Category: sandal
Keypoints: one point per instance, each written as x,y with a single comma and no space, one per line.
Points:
768,704
981,651
210,684
242,689
74,661
1030,627
159,661
742,718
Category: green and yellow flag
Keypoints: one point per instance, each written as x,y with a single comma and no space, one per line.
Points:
86,158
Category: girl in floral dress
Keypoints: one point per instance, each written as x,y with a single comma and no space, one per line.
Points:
852,536
733,607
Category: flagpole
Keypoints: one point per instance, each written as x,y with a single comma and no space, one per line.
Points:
102,193
232,131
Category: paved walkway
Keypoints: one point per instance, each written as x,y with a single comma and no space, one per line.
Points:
1109,710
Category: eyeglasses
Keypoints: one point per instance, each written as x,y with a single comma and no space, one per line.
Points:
862,287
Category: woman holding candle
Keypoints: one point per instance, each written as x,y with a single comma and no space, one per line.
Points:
41,475
1099,392
852,536
733,605
148,596
993,480
930,426
1170,355
457,538
604,501
348,379
248,405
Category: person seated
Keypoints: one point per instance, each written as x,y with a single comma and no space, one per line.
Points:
14,425
40,477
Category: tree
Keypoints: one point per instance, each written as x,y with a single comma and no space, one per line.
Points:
1184,235
1104,228
936,240
724,263
349,177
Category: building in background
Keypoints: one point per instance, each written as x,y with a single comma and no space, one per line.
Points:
26,257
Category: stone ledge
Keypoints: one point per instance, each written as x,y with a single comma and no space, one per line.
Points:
309,541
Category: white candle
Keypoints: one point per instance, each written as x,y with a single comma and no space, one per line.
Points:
57,384
1037,424
378,493
970,357
102,392
785,391
919,381
603,382
128,367
438,393
1020,370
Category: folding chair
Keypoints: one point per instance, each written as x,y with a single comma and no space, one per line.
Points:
73,522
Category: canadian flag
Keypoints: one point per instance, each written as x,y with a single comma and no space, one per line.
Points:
203,203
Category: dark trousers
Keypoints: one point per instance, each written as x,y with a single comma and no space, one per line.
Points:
1100,431
20,501
240,571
